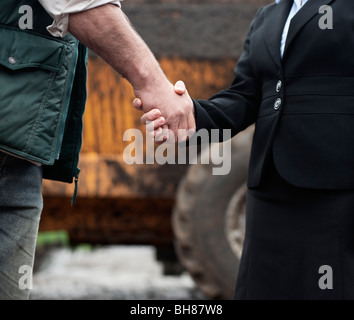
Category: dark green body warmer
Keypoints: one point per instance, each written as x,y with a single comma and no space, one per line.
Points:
42,92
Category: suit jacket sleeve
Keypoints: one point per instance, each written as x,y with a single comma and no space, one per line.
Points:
237,107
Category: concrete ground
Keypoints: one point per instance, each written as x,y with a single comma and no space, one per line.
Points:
108,273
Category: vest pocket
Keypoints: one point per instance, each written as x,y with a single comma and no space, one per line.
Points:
34,93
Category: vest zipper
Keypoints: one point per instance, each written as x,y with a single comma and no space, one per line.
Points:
64,116
60,143
76,180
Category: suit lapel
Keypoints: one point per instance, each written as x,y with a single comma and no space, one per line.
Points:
273,28
306,13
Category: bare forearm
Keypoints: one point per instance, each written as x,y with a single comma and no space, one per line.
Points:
107,31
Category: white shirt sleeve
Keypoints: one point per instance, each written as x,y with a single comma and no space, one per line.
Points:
61,9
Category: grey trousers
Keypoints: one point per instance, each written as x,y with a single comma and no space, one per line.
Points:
21,205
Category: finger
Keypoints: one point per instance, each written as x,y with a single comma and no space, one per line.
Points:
173,127
180,88
151,116
164,135
137,104
191,125
182,130
154,125
154,134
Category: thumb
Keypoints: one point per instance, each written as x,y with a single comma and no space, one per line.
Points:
180,88
137,104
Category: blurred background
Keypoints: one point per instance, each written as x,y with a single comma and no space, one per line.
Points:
151,231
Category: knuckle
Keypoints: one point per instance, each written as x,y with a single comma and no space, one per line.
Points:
180,113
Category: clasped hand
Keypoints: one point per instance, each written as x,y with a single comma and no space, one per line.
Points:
169,114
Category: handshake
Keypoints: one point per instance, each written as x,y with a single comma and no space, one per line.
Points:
168,112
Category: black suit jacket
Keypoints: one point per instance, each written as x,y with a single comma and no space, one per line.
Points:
302,105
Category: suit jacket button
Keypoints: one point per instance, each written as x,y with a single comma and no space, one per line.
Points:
279,86
277,104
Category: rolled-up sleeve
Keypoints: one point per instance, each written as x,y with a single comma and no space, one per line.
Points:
61,9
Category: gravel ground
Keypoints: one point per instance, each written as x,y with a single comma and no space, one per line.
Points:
108,273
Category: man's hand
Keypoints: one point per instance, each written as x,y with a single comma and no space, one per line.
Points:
170,112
